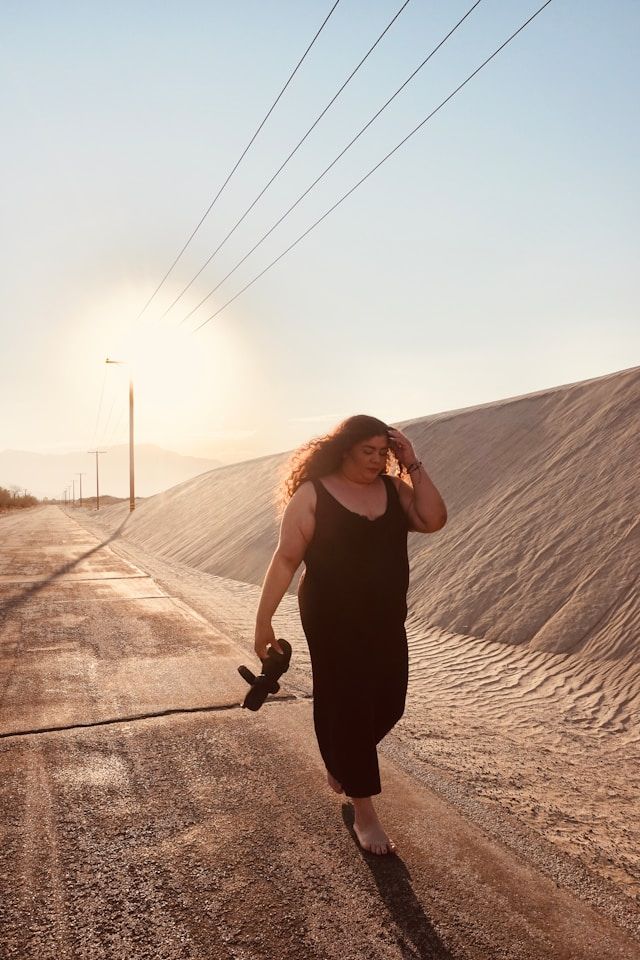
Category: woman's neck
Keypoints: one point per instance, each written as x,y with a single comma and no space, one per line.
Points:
359,483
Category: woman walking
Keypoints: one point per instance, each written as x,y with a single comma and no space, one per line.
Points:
347,518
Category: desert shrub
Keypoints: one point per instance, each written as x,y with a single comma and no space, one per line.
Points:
11,500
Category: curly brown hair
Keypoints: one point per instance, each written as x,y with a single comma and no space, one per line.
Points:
322,455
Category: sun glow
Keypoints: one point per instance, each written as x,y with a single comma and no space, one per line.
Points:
181,380
185,383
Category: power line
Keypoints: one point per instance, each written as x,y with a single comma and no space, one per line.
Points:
106,426
335,160
239,161
95,429
114,430
373,169
107,436
285,162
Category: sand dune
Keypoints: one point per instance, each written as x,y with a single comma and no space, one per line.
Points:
524,609
541,544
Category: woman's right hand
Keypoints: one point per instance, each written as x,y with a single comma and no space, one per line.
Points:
264,636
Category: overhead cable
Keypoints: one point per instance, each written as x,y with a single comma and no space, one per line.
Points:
106,426
116,428
238,162
335,160
95,429
373,169
285,162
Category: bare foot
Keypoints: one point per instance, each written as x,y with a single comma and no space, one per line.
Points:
334,784
368,828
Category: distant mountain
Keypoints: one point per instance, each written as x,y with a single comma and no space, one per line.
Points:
47,474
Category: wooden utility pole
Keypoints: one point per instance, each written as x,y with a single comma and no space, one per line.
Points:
81,475
97,453
132,486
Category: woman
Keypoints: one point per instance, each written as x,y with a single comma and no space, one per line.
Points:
348,519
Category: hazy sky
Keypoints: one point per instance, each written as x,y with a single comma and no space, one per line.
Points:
495,254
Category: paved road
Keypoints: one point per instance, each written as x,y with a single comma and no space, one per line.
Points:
146,815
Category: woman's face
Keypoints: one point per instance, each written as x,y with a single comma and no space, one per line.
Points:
368,458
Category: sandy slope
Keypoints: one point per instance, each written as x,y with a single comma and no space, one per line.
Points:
524,609
541,544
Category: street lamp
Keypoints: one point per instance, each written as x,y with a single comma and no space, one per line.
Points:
132,496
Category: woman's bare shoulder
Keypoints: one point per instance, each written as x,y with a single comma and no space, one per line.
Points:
304,495
306,485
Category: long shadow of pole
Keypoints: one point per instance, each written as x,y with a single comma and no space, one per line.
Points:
11,605
415,933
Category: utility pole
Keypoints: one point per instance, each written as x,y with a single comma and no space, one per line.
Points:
73,487
132,493
97,453
81,475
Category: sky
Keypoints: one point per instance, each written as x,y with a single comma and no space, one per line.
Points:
494,254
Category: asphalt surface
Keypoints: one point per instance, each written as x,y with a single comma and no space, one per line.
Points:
145,814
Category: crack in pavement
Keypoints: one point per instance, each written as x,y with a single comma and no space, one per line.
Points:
36,731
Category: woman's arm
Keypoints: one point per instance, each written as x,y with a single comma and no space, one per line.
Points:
296,530
426,501
422,502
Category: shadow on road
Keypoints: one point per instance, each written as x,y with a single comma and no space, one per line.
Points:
9,606
414,930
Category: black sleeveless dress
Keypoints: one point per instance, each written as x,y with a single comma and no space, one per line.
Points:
352,598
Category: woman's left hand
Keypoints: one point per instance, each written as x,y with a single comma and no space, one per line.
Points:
401,447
